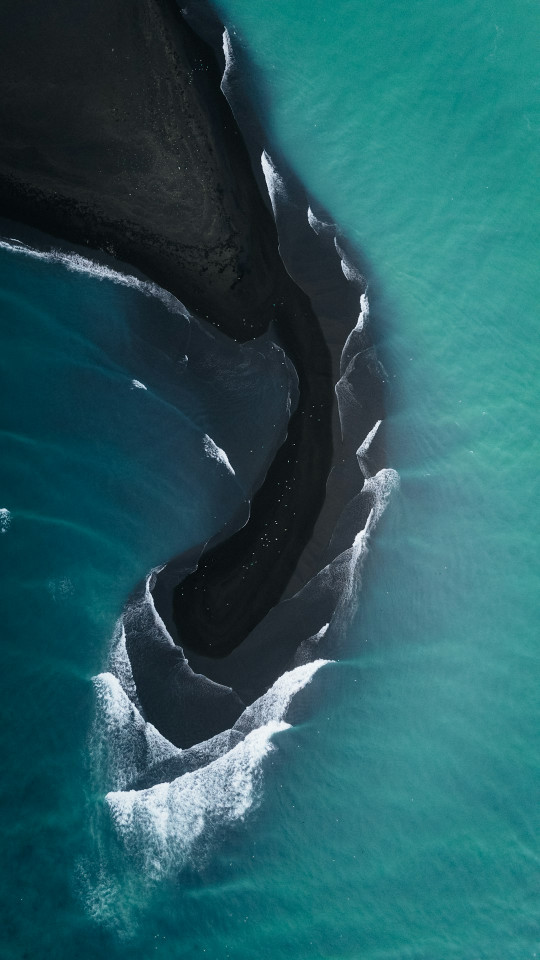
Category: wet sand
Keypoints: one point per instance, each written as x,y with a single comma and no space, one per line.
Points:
116,136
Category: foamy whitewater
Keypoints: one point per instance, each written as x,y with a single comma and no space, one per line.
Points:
161,799
76,263
377,796
194,793
160,825
275,183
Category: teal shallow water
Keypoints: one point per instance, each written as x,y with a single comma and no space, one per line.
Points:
105,474
401,820
417,126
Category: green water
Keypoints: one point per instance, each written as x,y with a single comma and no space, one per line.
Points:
400,822
415,826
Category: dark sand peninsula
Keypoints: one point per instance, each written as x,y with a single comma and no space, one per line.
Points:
115,135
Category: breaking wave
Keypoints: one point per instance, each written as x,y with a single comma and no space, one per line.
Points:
230,63
163,801
194,793
277,190
76,263
317,225
161,825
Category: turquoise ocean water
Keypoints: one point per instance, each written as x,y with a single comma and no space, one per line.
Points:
400,820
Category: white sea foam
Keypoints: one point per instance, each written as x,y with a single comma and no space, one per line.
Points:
212,450
361,323
356,341
76,263
308,648
164,825
346,398
229,61
126,740
5,519
364,312
380,487
342,577
273,705
350,272
274,181
355,358
119,664
139,385
318,226
161,825
363,449
140,615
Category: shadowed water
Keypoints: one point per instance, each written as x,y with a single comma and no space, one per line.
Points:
399,820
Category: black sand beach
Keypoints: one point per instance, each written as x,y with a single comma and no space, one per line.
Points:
116,136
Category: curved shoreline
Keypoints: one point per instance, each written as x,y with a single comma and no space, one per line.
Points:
102,172
257,602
